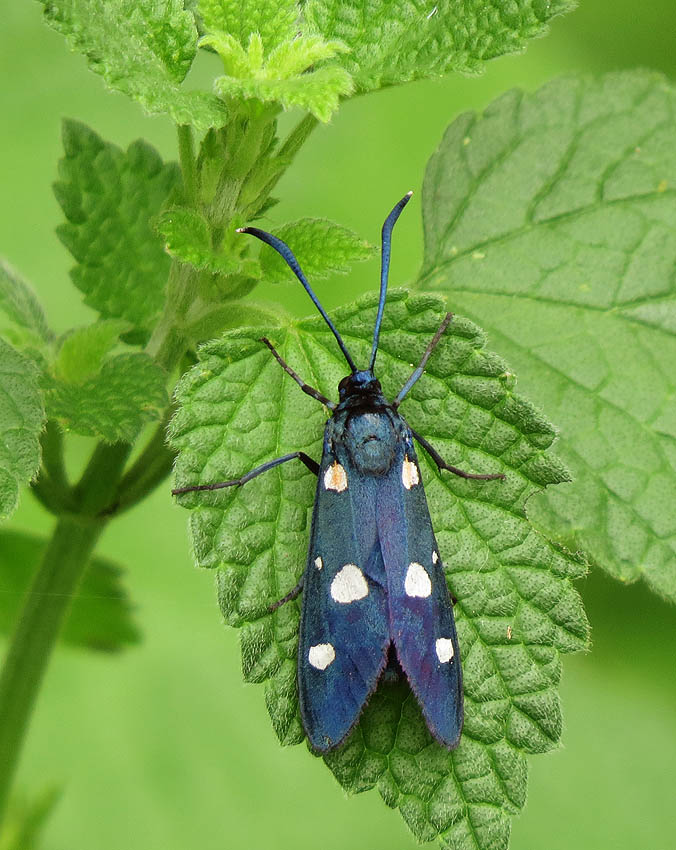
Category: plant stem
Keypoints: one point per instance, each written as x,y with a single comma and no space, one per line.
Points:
168,342
186,155
149,469
48,599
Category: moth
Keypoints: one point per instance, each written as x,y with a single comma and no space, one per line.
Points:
375,596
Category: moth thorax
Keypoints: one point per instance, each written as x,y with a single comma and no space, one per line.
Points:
371,441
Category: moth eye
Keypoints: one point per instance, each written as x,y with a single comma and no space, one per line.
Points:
444,648
417,582
349,585
321,655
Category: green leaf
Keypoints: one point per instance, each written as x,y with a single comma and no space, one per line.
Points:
273,20
21,305
100,617
109,198
551,219
188,238
395,41
108,397
517,611
82,351
322,248
22,416
141,48
319,91
283,78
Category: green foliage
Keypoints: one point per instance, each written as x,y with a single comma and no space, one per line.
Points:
283,77
111,399
21,420
322,248
20,304
188,238
274,20
143,48
100,617
516,611
109,198
82,351
551,220
395,41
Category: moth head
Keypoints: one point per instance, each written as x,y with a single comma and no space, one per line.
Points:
360,383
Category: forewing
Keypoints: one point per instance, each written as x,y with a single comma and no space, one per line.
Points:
344,631
420,608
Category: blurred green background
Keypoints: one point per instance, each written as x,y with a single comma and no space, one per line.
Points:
163,747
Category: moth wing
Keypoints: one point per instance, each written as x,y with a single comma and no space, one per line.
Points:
344,630
420,607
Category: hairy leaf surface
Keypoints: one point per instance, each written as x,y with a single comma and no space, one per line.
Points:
99,394
318,91
109,198
551,219
517,611
273,20
143,48
21,419
20,304
395,41
187,237
322,248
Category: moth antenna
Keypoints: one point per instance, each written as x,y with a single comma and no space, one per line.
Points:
386,242
287,255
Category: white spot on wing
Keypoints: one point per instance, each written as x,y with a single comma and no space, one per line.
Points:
349,585
335,477
435,557
321,655
417,581
409,473
444,648
319,563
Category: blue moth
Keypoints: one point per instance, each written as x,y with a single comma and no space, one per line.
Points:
375,596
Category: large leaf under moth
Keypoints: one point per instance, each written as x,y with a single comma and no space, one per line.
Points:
517,610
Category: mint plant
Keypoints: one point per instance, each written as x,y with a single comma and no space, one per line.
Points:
547,219
550,220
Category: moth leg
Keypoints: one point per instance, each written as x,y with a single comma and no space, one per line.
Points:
311,464
441,463
292,594
311,391
417,373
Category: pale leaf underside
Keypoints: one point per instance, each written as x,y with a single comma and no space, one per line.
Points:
551,220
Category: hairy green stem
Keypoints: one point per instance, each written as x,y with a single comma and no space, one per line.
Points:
48,599
168,343
149,469
186,155
297,137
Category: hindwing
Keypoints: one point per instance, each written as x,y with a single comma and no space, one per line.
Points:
419,603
